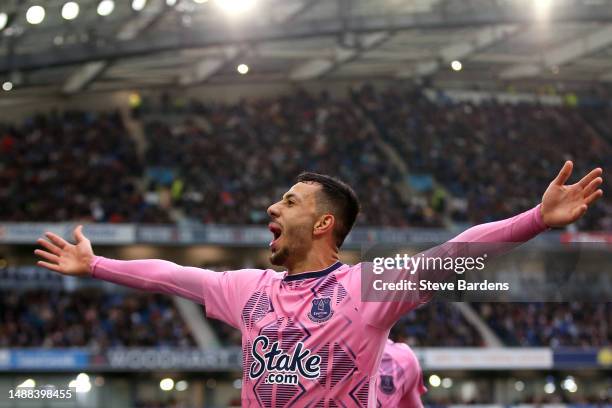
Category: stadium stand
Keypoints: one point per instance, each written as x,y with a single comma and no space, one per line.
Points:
90,318
252,148
488,154
436,325
575,324
72,166
465,148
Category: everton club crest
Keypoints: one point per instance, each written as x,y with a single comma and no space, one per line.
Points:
321,310
386,384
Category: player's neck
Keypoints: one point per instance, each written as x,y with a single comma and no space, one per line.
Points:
314,261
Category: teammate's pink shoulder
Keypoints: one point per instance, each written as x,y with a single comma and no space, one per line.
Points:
400,379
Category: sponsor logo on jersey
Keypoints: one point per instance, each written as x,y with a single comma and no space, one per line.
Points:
321,310
281,367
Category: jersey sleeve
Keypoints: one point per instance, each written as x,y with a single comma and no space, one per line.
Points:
222,293
507,233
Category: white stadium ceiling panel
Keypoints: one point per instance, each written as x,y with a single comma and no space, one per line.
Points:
49,76
565,53
320,9
117,71
314,44
168,59
363,69
294,54
596,62
437,36
166,65
195,54
398,56
532,40
489,57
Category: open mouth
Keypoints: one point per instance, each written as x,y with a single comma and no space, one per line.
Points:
276,231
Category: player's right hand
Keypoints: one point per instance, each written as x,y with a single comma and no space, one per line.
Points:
66,258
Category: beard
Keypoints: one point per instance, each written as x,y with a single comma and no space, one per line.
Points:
279,258
296,246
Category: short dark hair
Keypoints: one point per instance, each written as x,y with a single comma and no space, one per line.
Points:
340,198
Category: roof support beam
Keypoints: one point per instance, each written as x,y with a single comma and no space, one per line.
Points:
320,66
484,38
208,67
83,76
88,72
292,11
564,54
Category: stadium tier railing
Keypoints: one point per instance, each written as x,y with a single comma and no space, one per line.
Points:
236,235
230,358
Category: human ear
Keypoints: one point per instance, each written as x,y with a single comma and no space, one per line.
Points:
324,224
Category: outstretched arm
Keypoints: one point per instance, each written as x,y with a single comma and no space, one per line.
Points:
561,205
153,275
223,293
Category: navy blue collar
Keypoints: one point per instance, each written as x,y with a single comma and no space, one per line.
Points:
317,274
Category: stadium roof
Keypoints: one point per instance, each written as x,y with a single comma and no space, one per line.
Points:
498,42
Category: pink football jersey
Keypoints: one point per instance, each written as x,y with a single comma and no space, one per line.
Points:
400,379
309,340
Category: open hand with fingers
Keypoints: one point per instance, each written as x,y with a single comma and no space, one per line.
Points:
563,204
61,256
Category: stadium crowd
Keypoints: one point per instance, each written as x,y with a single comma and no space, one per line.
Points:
90,318
464,148
251,152
574,324
206,162
437,324
497,157
98,319
72,166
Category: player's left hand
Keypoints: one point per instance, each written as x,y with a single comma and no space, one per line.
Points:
563,204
